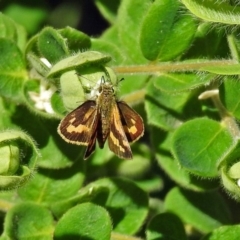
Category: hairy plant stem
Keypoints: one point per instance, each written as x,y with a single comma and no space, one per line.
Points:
170,67
227,119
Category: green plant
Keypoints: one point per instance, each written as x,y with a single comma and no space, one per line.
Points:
181,73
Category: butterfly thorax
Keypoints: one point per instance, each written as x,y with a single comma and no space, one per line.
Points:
105,104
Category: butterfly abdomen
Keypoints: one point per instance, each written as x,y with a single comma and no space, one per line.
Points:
105,103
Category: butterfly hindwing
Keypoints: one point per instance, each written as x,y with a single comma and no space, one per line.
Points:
80,124
91,145
131,121
117,140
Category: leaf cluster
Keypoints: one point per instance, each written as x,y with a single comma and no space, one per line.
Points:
181,74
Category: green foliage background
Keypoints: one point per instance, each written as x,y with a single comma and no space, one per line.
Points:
180,61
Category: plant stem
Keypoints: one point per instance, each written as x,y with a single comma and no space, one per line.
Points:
171,67
227,119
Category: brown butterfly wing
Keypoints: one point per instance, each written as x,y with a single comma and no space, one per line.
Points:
91,146
131,121
79,126
117,140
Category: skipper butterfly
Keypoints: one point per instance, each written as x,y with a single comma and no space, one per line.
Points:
103,119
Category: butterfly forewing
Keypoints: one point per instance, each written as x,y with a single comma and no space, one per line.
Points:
79,125
131,121
117,140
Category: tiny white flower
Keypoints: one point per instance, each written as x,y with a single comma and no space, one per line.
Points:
42,99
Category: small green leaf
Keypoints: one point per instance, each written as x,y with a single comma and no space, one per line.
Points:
28,221
161,143
37,64
224,232
76,40
79,61
230,170
72,92
220,12
12,70
161,29
52,45
198,209
228,92
166,226
200,145
84,221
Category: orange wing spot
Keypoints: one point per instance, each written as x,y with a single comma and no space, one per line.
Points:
79,129
116,142
132,129
133,121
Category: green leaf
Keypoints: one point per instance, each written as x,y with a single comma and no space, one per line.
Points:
57,104
12,70
79,61
50,186
162,27
76,40
177,82
84,221
108,9
166,111
229,171
8,28
111,36
228,92
224,232
52,45
130,17
161,143
37,64
28,221
18,159
109,48
209,42
166,226
12,31
200,145
126,202
213,11
200,210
